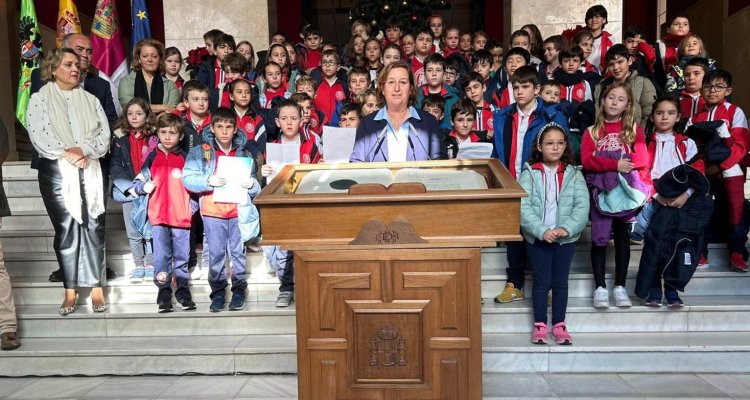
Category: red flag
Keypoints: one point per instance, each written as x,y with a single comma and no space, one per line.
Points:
67,21
109,52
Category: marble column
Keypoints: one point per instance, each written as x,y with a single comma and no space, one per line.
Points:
554,16
185,21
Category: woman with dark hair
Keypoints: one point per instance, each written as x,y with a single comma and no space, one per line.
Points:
145,81
398,131
69,129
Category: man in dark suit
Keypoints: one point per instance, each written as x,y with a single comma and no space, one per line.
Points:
95,85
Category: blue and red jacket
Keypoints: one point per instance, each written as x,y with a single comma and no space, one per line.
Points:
170,203
193,135
329,98
121,165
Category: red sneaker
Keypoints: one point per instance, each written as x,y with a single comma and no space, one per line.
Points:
737,262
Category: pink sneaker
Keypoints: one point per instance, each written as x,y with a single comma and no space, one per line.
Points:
560,332
539,335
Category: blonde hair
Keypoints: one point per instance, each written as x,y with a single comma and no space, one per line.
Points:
136,65
53,61
628,116
684,42
383,77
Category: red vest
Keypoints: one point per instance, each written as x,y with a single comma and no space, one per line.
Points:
169,203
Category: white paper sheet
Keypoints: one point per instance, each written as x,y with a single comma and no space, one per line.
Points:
338,143
234,170
467,151
442,179
339,181
280,154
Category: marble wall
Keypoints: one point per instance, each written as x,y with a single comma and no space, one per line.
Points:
553,16
185,21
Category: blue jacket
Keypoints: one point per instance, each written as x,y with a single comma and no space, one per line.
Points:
450,99
121,165
201,164
503,124
425,138
207,75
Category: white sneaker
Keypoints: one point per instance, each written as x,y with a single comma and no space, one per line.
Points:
621,297
196,274
601,298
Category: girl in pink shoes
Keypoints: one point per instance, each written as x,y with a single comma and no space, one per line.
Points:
552,218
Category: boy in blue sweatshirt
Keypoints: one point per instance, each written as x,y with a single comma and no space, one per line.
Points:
227,225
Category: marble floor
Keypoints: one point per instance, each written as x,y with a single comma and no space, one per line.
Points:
277,387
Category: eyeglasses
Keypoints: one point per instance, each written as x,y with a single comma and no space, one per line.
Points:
450,73
717,88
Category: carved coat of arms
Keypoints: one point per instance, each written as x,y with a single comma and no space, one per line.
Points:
387,347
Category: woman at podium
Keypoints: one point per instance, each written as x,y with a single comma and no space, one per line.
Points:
398,132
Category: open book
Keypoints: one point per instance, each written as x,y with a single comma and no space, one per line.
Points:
339,181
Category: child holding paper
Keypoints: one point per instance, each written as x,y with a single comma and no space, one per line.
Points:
290,116
227,225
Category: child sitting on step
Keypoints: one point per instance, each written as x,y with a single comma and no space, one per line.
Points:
552,218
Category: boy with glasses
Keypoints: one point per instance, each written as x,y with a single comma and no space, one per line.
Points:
729,174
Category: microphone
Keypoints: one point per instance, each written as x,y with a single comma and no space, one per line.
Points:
411,144
381,139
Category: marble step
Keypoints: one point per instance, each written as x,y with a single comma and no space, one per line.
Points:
18,169
701,314
702,352
41,241
714,281
34,203
124,320
38,290
40,264
30,272
39,221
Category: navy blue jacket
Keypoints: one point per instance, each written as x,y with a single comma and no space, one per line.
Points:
121,165
207,75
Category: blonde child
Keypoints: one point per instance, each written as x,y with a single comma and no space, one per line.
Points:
614,144
132,142
369,100
552,218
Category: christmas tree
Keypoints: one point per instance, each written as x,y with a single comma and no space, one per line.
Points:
412,14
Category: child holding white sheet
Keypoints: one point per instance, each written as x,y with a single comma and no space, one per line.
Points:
289,120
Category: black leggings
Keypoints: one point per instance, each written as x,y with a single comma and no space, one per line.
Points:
621,231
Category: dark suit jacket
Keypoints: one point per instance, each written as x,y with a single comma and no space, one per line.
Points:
425,136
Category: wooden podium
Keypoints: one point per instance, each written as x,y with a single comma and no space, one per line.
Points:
388,280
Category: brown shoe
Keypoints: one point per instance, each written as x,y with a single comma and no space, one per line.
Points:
10,341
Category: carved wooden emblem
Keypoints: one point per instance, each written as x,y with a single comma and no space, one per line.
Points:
387,347
399,231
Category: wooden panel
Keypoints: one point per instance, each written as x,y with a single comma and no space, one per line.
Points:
490,219
485,215
389,324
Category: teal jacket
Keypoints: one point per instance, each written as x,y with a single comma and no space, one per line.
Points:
572,205
451,97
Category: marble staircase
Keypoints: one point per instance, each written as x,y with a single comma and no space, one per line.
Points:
710,334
